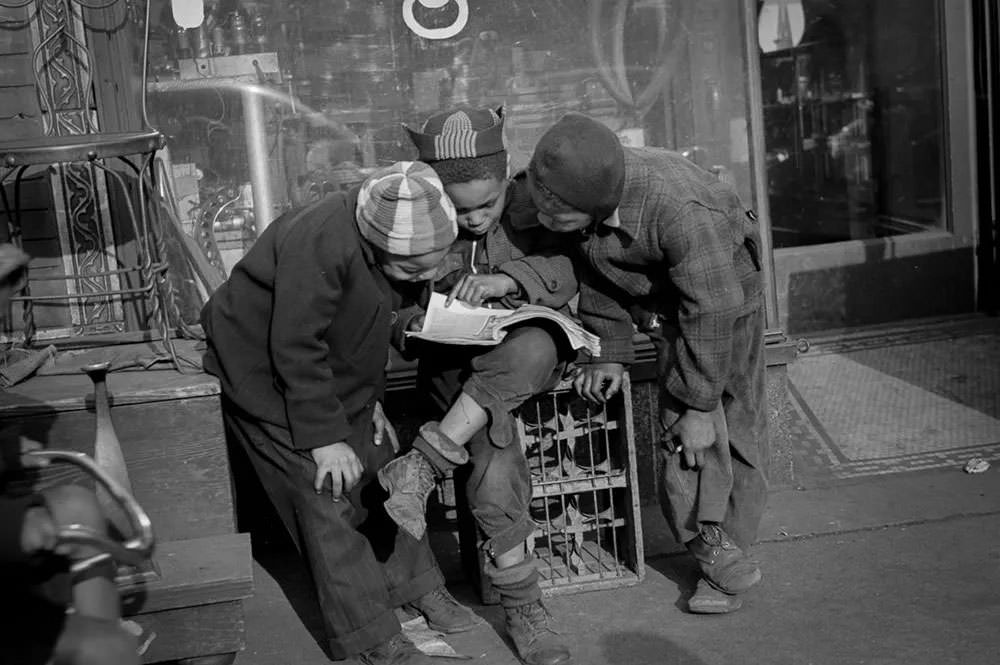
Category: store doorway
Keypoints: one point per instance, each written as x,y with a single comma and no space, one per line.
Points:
859,148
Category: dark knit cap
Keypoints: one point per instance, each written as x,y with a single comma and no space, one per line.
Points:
583,163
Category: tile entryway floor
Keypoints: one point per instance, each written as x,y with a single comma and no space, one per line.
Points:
900,404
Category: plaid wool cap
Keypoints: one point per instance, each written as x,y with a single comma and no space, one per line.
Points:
402,209
462,133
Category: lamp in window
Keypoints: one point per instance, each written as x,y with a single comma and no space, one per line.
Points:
188,13
780,25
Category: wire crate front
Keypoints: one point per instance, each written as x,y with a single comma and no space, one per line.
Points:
585,502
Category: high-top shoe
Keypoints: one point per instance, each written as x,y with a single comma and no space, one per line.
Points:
709,600
722,562
444,613
409,480
535,641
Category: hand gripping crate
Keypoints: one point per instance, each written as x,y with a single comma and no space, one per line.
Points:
585,500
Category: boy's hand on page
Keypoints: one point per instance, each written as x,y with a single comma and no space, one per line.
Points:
598,382
341,463
475,289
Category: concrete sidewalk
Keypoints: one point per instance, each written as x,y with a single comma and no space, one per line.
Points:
884,552
892,569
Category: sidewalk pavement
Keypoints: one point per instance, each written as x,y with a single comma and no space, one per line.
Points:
892,569
886,552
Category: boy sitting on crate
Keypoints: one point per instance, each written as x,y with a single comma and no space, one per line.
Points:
669,247
502,256
37,584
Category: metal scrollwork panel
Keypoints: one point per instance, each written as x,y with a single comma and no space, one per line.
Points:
63,70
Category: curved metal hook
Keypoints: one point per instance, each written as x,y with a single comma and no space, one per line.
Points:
133,551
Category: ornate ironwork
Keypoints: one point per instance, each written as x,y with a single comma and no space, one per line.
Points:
63,70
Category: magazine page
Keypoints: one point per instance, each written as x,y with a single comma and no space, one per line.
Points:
460,322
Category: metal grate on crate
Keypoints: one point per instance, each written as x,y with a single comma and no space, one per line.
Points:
584,487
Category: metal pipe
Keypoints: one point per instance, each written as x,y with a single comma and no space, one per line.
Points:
256,140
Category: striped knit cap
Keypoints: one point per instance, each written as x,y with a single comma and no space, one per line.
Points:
402,209
463,133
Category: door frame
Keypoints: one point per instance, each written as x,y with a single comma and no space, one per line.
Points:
923,274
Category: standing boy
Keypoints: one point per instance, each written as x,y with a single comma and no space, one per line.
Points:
298,337
669,247
503,256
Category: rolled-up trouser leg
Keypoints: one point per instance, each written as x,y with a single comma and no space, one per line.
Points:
516,585
499,490
362,565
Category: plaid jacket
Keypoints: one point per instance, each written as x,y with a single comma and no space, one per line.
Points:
537,259
681,247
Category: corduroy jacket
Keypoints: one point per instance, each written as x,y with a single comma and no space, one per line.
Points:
298,335
682,247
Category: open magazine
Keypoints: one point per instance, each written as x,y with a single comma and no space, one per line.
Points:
460,323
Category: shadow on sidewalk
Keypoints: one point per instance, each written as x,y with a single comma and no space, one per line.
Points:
638,647
680,569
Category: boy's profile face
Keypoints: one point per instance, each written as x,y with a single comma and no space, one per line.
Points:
553,214
479,203
421,268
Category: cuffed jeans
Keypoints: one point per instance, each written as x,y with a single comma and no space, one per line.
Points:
362,565
499,378
731,487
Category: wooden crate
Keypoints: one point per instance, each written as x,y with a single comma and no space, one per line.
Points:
585,497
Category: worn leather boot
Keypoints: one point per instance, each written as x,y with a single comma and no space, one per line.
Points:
409,480
397,650
444,613
709,600
536,643
722,562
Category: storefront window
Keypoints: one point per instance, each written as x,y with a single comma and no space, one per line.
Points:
853,118
267,105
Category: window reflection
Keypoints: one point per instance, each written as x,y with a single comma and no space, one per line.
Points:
342,76
853,118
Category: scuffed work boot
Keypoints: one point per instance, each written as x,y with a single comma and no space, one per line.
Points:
409,480
709,600
536,643
397,650
722,562
444,613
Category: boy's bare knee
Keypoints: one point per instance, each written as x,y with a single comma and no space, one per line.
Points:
72,504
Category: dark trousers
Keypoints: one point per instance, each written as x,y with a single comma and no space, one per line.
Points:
499,378
731,488
362,565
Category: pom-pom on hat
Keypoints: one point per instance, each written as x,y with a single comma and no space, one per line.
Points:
460,134
402,209
582,162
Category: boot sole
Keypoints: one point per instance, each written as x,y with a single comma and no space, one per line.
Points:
731,605
733,591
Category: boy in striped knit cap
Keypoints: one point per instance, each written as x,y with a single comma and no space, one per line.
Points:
503,256
298,337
